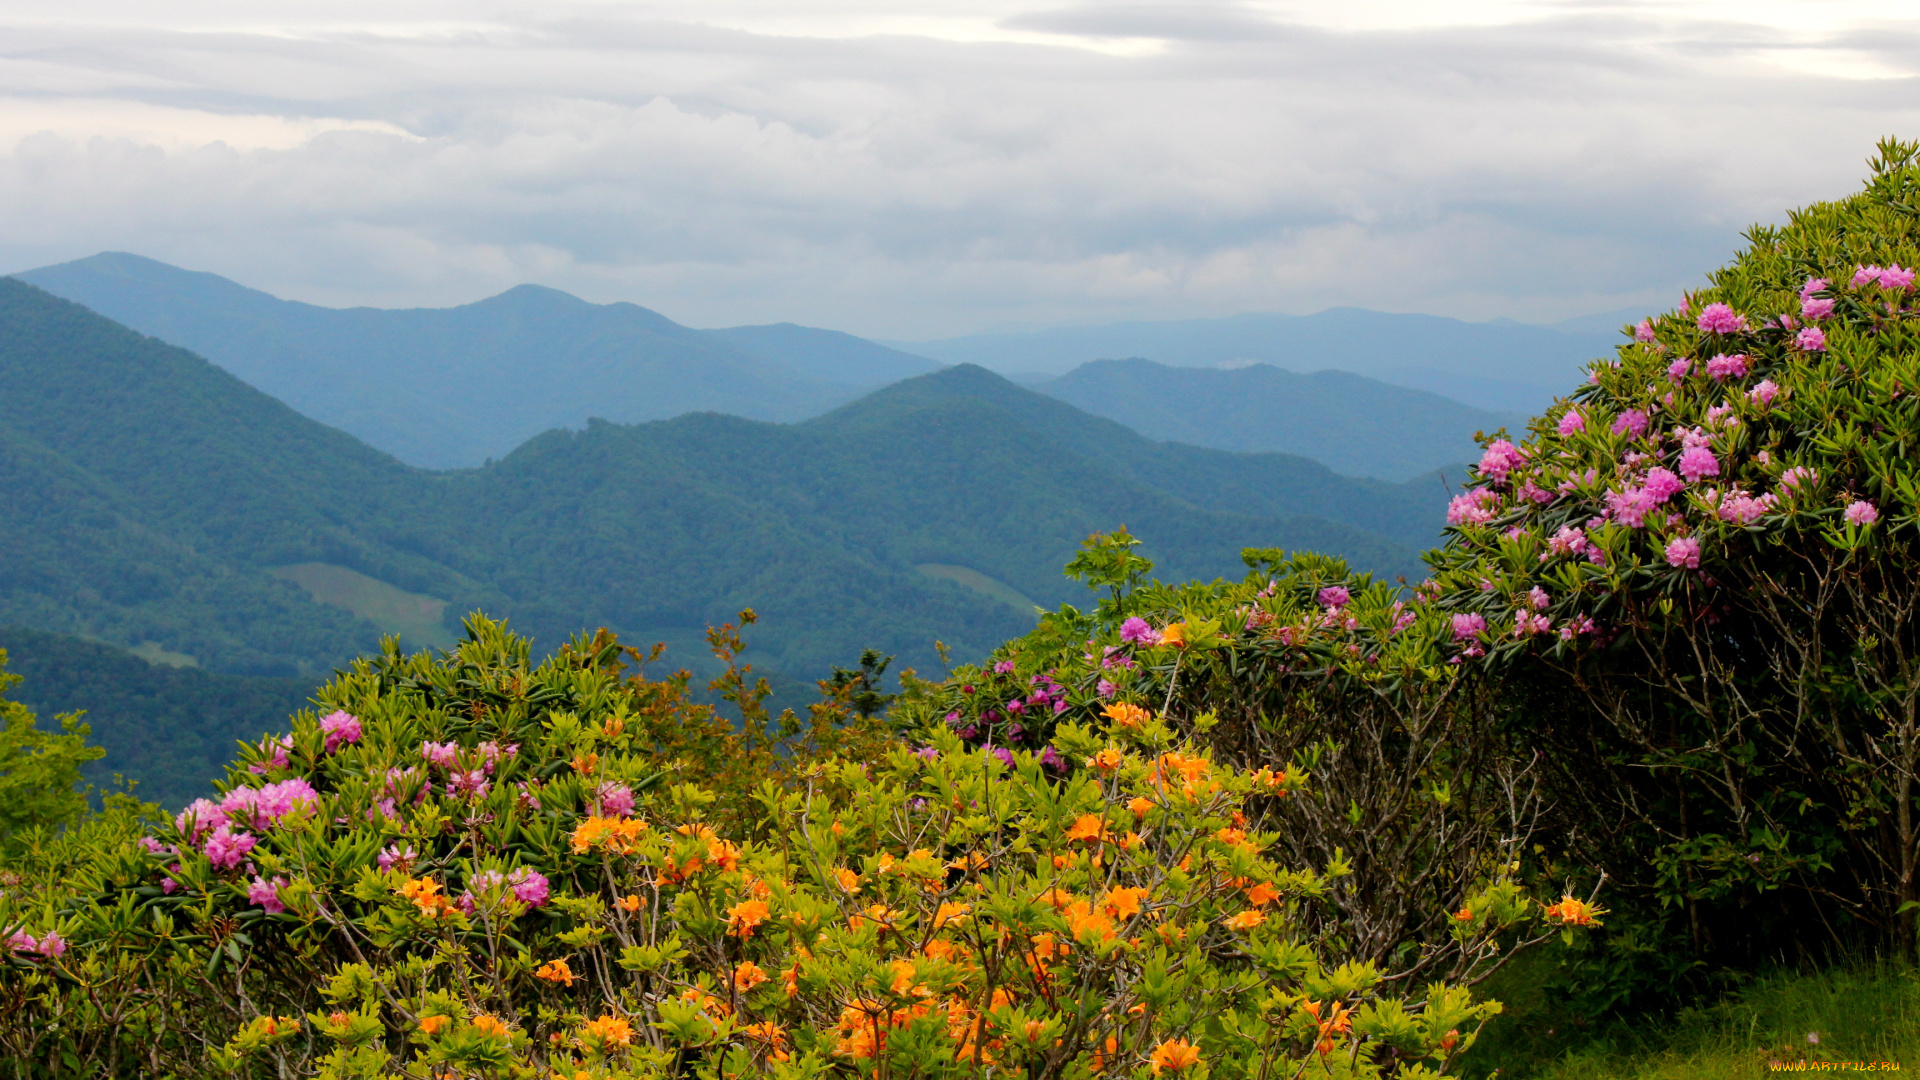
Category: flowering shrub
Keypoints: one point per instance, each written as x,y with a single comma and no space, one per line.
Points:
1704,560
475,867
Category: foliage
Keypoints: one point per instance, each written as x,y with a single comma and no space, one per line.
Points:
1695,580
475,866
39,771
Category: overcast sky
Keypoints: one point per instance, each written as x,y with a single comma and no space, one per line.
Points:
917,169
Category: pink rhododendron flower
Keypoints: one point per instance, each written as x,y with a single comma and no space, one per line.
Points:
1684,552
1865,275
530,886
1632,423
474,782
1474,507
1678,370
21,941
1335,596
266,894
276,751
1797,478
340,728
1720,319
616,800
1764,393
394,855
1816,307
1106,688
1698,461
1663,485
1813,285
1526,623
263,807
1139,632
1533,492
1644,332
1862,513
1742,508
1723,367
1811,339
202,815
491,753
1538,597
225,848
1004,667
442,755
1893,277
1579,624
1571,421
1630,507
1500,458
53,945
1570,540
1468,625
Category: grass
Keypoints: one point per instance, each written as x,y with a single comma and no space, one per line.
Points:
417,619
1863,1012
991,588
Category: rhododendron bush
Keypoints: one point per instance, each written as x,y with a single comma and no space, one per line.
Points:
471,866
1701,568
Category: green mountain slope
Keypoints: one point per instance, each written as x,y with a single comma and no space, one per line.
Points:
1354,425
446,388
171,729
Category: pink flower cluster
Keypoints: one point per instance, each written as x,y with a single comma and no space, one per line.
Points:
616,800
528,886
1720,319
1684,551
1138,631
51,945
1474,507
266,894
1891,278
1862,513
1501,457
1723,367
1334,596
341,729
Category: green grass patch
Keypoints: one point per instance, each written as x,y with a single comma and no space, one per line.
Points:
991,588
419,620
1775,1024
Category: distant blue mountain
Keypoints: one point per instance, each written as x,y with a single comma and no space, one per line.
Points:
452,387
1500,366
1353,425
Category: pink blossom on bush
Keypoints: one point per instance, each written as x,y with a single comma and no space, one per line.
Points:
1571,421
266,894
1697,462
1632,423
1533,492
1865,275
1893,277
1720,319
21,941
197,818
616,800
394,855
1811,339
1579,624
276,751
1678,370
1744,509
1500,458
1663,485
1862,513
1798,477
263,807
1570,540
1139,632
474,782
1813,285
491,753
1004,667
1644,332
530,886
226,848
1106,688
1630,507
1764,393
53,945
1684,552
1538,597
340,728
1468,625
1335,596
442,755
1474,507
1816,307
1723,367
1527,622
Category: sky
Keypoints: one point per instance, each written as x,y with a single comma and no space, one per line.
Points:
913,170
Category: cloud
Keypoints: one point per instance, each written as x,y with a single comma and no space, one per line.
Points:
930,171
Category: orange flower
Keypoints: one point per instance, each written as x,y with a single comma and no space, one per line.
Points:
432,1025
608,1030
744,916
631,903
1571,912
1106,760
848,880
1174,634
1123,902
1465,914
1088,827
555,971
790,980
1105,1053
1262,894
773,1035
1246,920
586,764
747,975
1082,920
1140,805
1126,715
1174,1055
488,1024
950,913
425,894
724,855
1274,782
1056,898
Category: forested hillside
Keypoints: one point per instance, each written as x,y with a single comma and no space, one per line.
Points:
451,387
155,498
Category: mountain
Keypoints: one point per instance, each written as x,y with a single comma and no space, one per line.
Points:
451,387
154,500
1499,367
172,729
1354,425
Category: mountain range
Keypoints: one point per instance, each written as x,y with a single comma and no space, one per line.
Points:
156,501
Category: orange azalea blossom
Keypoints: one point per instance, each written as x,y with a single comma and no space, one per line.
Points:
1083,920
1465,914
607,1030
1088,827
1246,920
1571,912
433,1025
1337,1022
860,1029
973,860
556,971
1126,715
848,880
631,902
879,914
425,894
706,1002
1106,760
903,984
1274,782
744,916
1262,894
950,913
488,1024
1174,1055
618,835
614,727
1174,634
1105,1053
1056,898
747,975
586,764
1188,772
1123,902
1140,805
270,1025
772,1035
